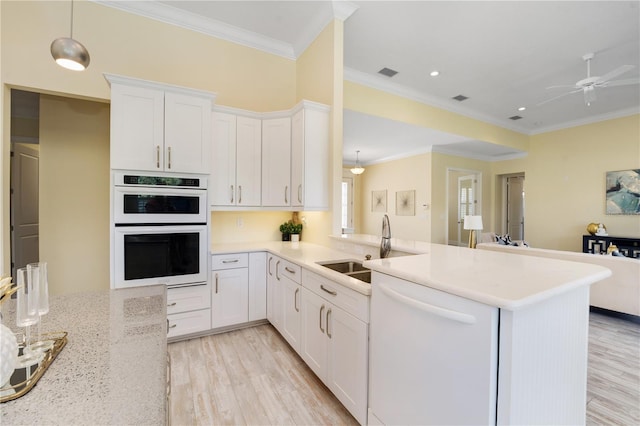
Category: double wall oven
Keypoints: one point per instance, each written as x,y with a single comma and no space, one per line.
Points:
160,229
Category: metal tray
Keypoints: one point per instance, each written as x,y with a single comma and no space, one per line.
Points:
24,379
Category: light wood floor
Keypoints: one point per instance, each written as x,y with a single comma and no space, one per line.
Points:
253,377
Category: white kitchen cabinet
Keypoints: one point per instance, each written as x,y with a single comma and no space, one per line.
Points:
157,127
291,312
257,286
236,160
188,309
274,293
310,156
230,290
276,162
334,344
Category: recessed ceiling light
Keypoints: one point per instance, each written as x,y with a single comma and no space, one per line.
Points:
522,108
434,73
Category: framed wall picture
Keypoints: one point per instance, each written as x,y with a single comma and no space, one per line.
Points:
379,201
622,192
405,203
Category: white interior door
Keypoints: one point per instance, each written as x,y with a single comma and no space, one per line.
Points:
24,206
515,207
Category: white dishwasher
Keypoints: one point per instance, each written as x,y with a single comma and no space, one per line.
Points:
433,356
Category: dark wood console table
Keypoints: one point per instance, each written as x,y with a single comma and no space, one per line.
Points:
630,247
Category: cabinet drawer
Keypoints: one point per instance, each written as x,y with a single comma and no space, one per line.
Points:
188,298
355,303
188,322
229,261
289,270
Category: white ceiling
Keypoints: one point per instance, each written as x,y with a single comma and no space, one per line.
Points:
501,54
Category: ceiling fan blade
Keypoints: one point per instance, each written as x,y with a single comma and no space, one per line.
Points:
559,96
625,82
563,86
613,74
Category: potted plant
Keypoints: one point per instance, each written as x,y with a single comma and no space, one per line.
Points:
289,228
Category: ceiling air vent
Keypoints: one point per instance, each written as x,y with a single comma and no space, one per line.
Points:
388,72
460,98
515,117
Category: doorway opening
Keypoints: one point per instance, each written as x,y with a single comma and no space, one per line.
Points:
464,197
24,179
513,205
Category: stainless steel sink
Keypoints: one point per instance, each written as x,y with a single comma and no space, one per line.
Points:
352,268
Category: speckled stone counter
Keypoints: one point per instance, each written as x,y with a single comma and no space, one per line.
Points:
113,369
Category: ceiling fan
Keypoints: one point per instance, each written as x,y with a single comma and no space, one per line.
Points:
588,85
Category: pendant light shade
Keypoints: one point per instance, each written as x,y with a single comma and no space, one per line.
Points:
357,169
69,53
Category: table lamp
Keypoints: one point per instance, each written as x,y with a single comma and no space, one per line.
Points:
473,224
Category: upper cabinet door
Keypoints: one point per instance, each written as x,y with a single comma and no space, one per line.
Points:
187,133
137,128
297,159
248,161
276,162
222,184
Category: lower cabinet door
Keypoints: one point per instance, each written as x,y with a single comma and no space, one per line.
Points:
347,366
188,322
257,286
313,342
230,297
290,309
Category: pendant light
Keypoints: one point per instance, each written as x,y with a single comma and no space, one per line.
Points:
70,53
358,169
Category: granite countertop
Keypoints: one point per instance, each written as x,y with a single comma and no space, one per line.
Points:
504,280
304,254
113,369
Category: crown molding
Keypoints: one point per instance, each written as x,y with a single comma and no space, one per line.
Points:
174,16
340,10
595,119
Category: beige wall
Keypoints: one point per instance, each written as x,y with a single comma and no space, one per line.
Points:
74,193
413,173
565,181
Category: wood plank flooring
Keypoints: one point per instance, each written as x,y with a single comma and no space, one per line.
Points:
253,377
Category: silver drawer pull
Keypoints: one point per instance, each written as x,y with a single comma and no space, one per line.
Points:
173,326
289,270
331,292
231,261
172,304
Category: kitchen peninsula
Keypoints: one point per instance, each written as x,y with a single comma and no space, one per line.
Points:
113,369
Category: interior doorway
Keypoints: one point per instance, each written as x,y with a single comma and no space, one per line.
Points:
464,197
514,206
24,179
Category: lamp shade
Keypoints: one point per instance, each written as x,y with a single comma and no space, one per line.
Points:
473,222
70,54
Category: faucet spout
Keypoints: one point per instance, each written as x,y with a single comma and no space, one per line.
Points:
385,243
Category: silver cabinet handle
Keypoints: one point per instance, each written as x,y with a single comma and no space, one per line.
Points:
286,190
157,156
277,276
328,313
170,326
295,300
331,292
289,270
231,194
216,283
169,156
321,309
300,193
270,259
231,261
239,194
172,304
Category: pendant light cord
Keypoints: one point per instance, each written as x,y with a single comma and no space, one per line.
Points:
71,19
